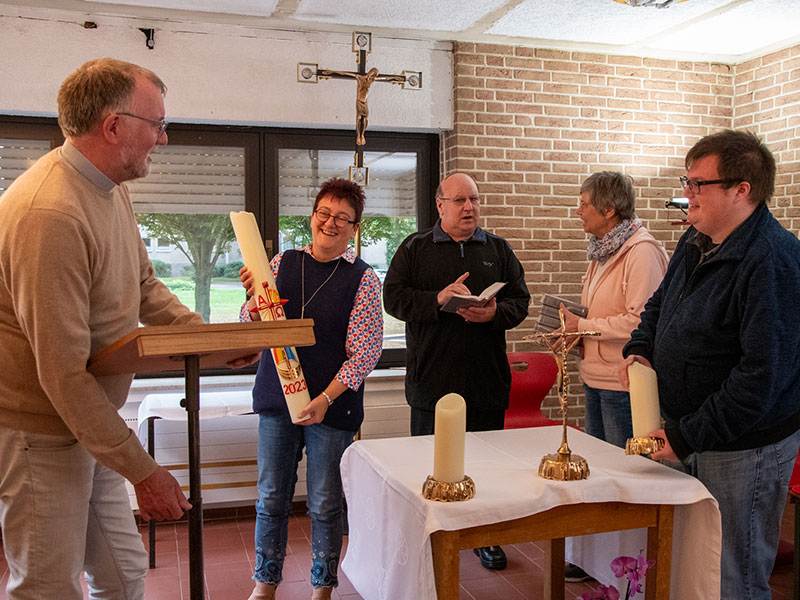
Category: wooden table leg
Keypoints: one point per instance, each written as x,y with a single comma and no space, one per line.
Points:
445,564
551,526
659,547
554,569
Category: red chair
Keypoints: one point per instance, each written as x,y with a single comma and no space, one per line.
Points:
532,377
788,553
794,498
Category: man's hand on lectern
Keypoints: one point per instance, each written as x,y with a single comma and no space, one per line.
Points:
160,497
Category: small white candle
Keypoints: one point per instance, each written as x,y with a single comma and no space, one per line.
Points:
449,438
248,236
645,410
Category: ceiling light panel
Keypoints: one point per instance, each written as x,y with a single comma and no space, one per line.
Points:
444,15
741,30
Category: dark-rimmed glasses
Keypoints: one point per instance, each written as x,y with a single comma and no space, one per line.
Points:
694,185
462,200
323,216
160,124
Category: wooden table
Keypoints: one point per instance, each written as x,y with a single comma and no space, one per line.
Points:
403,547
554,525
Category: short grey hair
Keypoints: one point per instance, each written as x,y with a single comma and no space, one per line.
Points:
611,190
96,88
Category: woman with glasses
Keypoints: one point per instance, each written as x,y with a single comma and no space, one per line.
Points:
327,282
626,265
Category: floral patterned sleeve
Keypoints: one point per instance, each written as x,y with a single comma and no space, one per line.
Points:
244,314
364,342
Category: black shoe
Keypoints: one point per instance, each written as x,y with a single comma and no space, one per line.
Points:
492,557
574,574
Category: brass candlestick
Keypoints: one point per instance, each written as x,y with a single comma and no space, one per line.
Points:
563,465
444,491
643,445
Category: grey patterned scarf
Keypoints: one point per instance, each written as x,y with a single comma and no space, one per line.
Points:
601,249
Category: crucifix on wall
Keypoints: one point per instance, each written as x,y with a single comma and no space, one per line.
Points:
362,45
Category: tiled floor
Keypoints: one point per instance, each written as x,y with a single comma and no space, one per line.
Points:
229,562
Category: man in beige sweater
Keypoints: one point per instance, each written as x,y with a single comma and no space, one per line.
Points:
74,277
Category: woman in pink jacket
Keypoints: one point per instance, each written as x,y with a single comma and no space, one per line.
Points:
626,266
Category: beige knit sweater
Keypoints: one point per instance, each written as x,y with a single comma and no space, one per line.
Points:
74,277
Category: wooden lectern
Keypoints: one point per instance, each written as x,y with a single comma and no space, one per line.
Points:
164,348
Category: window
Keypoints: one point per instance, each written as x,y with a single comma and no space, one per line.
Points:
399,197
16,156
389,212
183,206
206,171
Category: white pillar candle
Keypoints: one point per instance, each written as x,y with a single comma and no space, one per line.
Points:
268,301
645,410
449,438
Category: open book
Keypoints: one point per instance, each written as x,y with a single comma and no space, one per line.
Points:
461,301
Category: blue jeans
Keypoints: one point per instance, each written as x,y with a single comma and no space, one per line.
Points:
280,449
751,488
608,415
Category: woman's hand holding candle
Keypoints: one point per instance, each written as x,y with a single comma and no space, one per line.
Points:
248,283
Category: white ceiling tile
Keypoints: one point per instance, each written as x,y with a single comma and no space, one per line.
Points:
597,21
720,30
430,15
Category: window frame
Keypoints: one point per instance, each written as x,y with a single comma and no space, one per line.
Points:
31,128
262,146
308,139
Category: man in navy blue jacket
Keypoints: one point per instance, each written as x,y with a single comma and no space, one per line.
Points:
723,334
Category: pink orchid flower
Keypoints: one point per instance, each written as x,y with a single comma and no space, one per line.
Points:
602,593
635,569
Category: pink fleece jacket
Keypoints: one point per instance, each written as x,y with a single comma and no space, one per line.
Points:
616,303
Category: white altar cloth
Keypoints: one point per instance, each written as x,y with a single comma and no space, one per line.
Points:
389,552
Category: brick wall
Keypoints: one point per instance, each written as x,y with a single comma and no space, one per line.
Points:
766,100
531,124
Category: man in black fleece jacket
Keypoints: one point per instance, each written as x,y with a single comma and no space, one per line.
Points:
462,352
723,334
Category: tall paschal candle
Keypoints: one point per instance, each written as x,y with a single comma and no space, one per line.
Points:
270,308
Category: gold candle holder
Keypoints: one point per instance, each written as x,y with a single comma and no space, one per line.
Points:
446,491
643,445
562,466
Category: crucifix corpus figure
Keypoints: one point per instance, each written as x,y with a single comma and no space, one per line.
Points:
362,45
563,465
365,81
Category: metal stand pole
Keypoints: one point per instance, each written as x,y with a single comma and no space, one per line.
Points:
196,584
151,526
